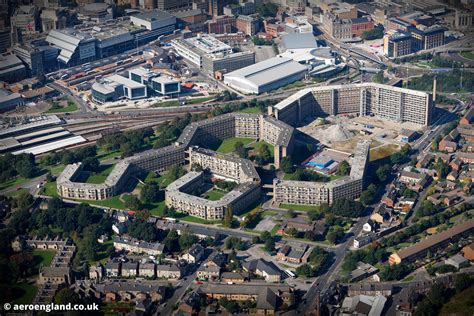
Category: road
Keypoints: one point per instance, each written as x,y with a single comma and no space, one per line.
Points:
322,283
180,290
83,108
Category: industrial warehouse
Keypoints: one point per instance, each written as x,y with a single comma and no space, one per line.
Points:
364,99
265,76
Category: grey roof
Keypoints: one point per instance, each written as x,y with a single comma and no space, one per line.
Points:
153,15
267,71
259,264
299,41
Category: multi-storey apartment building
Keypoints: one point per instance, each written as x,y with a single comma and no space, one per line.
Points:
277,133
383,101
178,194
317,193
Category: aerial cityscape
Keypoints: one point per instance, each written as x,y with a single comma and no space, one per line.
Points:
250,157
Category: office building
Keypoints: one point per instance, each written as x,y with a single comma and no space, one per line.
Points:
341,10
39,57
115,87
155,82
210,54
9,101
247,24
265,76
463,19
221,24
365,99
96,12
397,44
87,42
11,69
24,23
423,38
75,47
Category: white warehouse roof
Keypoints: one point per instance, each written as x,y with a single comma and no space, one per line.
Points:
264,73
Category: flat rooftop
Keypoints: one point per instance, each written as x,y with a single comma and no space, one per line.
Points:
268,71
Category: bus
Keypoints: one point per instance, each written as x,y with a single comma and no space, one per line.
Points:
290,274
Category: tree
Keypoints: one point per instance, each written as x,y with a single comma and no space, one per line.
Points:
65,296
143,230
343,168
234,243
228,217
90,164
397,158
461,282
291,232
240,149
132,203
375,33
234,262
379,77
442,168
286,165
150,193
265,235
367,196
175,172
270,245
187,239
347,208
171,241
383,172
335,234
24,200
25,165
267,10
305,271
264,153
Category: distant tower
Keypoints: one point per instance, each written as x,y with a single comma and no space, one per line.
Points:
434,88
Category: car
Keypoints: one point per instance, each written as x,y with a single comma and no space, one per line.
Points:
199,282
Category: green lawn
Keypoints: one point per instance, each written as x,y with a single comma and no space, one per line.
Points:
254,110
100,175
468,55
275,229
17,192
295,84
56,169
460,304
104,249
199,100
296,207
50,189
214,194
227,146
166,104
193,219
162,179
27,292
382,152
42,258
71,107
13,182
103,155
257,145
